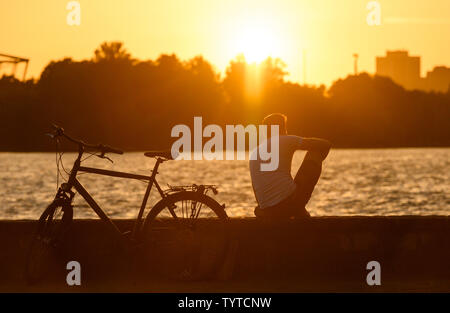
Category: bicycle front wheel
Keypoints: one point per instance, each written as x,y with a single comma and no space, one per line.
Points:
52,226
188,235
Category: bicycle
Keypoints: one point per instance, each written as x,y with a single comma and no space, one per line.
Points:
175,220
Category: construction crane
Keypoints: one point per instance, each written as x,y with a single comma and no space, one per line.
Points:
15,60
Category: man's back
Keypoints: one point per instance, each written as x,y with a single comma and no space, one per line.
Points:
271,187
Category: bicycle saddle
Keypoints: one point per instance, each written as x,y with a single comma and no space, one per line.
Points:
166,154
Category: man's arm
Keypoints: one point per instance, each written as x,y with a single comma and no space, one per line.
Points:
320,146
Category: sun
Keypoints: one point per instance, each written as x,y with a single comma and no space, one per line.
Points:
256,42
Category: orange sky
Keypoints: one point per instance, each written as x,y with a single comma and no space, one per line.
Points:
329,31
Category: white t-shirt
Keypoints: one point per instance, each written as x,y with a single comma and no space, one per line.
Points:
271,187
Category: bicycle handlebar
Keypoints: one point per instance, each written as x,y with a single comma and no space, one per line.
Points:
59,131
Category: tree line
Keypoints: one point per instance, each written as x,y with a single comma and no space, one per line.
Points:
133,104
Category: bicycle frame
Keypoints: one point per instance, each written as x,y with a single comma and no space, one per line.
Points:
74,182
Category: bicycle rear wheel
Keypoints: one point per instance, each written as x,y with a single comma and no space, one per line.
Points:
188,235
52,225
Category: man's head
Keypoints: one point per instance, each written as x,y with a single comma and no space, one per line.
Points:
276,119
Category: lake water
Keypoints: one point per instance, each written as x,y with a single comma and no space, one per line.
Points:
353,182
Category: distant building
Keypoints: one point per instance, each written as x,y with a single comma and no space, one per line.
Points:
404,70
401,68
437,80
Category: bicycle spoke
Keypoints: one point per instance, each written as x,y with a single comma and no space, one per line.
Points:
199,209
185,211
193,208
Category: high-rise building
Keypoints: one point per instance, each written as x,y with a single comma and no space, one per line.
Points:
401,68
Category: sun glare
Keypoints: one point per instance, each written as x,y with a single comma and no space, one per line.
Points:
256,43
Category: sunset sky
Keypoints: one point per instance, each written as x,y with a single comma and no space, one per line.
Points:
329,31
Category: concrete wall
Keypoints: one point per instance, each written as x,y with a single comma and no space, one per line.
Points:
323,253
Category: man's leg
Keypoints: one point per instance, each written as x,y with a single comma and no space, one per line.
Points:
282,210
306,179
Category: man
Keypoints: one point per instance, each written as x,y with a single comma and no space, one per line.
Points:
277,194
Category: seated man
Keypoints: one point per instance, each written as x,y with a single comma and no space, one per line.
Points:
277,194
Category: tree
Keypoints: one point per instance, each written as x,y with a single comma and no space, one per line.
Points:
112,51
